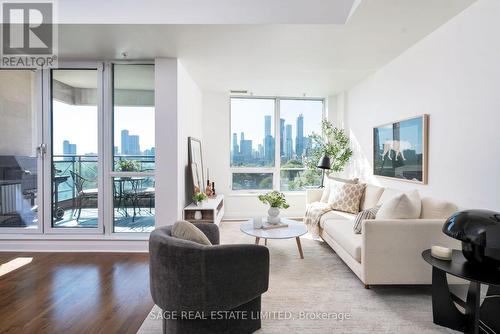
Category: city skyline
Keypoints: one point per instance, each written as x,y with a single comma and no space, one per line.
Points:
244,151
131,143
247,115
138,120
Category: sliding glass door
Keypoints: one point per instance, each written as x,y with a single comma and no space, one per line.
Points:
75,147
133,147
20,145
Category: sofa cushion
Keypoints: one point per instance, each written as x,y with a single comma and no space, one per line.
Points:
388,194
403,206
326,191
335,215
341,232
371,196
185,230
346,196
437,209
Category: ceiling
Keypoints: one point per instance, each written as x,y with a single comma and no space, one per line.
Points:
138,77
205,11
285,60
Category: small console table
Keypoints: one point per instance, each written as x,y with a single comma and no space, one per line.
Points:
476,318
212,211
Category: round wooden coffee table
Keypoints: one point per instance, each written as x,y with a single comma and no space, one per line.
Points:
294,230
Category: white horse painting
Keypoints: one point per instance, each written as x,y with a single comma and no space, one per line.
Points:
397,146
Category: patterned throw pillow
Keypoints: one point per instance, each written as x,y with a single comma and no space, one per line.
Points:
328,180
346,196
370,213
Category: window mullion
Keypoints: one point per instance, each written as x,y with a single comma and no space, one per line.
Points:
277,140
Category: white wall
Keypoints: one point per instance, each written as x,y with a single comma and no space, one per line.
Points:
454,75
189,125
216,156
166,141
178,116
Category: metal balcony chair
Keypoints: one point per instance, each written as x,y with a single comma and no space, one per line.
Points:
148,194
82,194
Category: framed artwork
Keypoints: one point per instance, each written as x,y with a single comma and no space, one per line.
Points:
196,163
400,149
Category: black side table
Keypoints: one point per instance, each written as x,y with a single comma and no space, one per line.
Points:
477,318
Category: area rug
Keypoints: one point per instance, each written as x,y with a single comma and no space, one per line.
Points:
320,294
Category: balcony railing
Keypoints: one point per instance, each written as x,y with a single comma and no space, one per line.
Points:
86,166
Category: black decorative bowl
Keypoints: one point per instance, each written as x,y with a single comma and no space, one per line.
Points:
479,231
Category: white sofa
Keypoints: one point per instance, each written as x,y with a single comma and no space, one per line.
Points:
388,251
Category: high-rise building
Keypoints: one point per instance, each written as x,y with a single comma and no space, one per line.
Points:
236,149
134,147
124,142
282,138
299,140
68,149
130,144
267,121
246,150
288,142
269,149
260,151
307,145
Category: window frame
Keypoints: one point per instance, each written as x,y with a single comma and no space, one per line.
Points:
108,151
276,169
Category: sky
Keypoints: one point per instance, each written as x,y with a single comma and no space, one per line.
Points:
410,131
78,124
247,115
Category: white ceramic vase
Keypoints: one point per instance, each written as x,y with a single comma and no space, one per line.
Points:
273,216
198,215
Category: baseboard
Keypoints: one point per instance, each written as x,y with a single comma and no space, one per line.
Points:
117,246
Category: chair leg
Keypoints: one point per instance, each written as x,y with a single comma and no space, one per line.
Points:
79,208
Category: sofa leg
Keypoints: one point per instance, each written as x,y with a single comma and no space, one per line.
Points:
367,286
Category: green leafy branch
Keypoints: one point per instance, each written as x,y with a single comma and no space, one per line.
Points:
334,143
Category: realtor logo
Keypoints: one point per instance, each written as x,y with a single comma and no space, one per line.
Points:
28,34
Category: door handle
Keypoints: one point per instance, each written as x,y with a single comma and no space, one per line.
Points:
41,149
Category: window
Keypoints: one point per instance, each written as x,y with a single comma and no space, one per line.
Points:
257,162
133,148
252,126
20,168
299,119
74,148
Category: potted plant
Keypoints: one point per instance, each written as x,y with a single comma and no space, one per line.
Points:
128,165
198,198
276,201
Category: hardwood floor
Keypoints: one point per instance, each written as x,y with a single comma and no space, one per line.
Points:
75,293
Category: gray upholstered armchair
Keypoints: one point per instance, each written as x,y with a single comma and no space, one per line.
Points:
209,280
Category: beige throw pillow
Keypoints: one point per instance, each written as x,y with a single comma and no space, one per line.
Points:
328,180
185,230
402,206
346,196
437,209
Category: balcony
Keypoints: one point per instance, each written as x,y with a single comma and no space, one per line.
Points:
75,194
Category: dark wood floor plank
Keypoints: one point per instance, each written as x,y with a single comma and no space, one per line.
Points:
75,293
